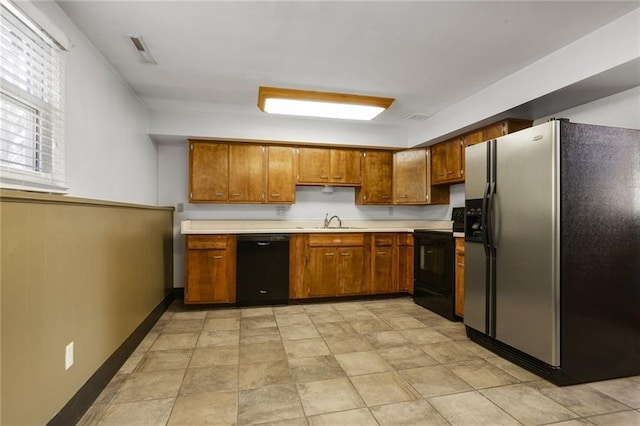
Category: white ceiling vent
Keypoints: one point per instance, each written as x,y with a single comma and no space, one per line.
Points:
142,49
416,117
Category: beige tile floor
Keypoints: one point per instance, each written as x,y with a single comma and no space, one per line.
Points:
381,362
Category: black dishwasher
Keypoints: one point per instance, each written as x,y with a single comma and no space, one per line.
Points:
262,269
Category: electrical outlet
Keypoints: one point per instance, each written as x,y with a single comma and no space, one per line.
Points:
281,210
68,356
390,210
180,207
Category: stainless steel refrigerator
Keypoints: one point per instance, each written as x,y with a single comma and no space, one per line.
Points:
552,242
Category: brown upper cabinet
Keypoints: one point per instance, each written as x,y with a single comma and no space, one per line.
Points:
246,173
226,173
222,172
281,187
208,172
329,166
448,157
412,179
377,177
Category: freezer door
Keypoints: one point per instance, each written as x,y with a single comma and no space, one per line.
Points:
476,171
526,235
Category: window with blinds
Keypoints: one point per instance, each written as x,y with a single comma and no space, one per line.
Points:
31,104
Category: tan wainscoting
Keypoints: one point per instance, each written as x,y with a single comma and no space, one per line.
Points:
72,270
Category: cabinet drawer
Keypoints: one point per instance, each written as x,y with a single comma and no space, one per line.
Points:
333,240
206,241
383,240
405,239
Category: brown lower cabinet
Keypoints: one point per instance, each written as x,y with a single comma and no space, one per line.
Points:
405,262
383,269
328,265
334,265
210,269
320,265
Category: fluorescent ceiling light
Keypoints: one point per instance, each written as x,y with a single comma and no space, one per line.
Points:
320,104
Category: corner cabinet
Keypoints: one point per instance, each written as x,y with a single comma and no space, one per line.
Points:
210,269
448,157
377,178
324,166
412,179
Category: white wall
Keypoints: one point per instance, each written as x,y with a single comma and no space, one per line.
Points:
619,110
612,45
109,155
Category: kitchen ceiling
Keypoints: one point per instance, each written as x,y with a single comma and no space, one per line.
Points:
213,55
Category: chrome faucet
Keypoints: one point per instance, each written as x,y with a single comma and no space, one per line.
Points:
327,220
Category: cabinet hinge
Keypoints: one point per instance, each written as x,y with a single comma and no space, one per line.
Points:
364,154
191,195
191,147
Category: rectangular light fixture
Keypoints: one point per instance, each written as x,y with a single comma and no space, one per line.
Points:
307,103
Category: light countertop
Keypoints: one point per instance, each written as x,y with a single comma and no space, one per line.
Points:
307,226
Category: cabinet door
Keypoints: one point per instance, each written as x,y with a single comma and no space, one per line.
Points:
208,171
377,178
459,303
207,277
351,270
246,173
281,187
382,269
439,162
314,165
321,271
410,177
345,166
405,262
454,160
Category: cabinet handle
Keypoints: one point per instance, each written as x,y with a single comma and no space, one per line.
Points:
219,194
337,177
329,254
274,195
337,240
381,253
217,257
324,177
402,196
235,194
460,264
450,172
440,174
345,254
386,196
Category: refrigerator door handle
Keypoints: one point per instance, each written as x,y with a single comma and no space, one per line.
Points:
483,219
489,216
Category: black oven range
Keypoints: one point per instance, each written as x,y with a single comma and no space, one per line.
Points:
434,268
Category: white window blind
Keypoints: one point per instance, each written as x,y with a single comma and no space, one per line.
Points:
31,105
